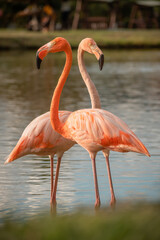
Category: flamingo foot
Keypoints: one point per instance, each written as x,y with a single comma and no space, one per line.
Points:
97,204
53,199
53,208
113,203
53,202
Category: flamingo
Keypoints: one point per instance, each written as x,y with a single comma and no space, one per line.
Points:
93,129
39,138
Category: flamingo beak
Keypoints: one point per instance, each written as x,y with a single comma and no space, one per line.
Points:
101,61
98,54
38,61
41,53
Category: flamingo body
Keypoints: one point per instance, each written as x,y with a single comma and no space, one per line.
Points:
39,138
97,129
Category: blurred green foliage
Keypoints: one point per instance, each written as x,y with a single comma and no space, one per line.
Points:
12,39
127,222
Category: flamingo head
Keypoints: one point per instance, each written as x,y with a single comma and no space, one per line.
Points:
58,44
90,46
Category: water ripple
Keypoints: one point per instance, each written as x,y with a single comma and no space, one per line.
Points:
128,87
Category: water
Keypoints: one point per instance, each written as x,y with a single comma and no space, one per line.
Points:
129,86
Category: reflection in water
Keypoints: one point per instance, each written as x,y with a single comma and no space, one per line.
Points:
129,86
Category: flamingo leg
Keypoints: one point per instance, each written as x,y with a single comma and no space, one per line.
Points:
56,182
52,176
113,199
97,202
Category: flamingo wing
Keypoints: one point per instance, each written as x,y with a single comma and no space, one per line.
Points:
39,138
97,129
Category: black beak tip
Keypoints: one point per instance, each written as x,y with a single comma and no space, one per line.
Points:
101,61
38,61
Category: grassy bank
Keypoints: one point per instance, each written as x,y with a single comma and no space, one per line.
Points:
12,39
128,223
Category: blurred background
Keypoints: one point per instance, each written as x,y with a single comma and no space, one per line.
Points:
77,14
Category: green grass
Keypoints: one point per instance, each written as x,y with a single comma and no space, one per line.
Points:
10,39
141,222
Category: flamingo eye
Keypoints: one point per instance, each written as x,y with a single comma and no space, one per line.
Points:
50,44
93,46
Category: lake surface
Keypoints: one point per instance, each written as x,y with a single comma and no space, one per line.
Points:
128,85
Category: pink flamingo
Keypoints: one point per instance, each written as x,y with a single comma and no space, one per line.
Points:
39,138
93,129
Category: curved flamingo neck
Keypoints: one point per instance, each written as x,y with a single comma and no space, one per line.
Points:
55,121
93,93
